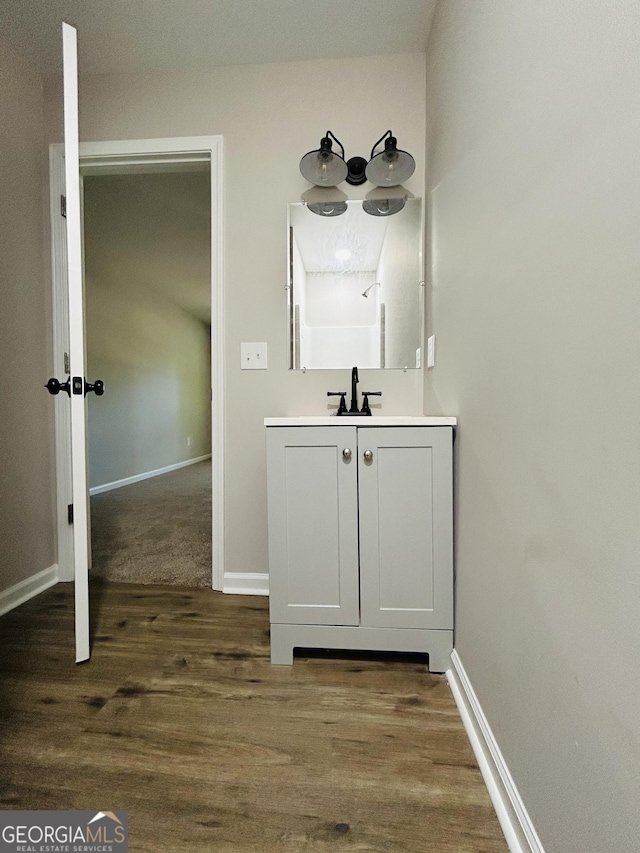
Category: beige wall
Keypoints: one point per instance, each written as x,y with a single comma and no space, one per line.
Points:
533,135
154,359
147,250
27,537
269,115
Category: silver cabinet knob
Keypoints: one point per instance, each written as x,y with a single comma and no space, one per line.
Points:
368,455
346,453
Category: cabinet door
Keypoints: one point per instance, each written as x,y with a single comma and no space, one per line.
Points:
313,525
406,564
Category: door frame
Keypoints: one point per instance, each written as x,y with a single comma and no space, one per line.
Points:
117,158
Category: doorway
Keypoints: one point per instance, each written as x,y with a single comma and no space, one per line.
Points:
138,158
147,284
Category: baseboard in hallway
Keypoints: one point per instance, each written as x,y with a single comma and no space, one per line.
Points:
146,475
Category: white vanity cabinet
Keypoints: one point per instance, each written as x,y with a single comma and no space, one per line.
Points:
360,535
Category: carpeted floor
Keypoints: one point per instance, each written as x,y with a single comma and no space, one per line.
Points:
155,531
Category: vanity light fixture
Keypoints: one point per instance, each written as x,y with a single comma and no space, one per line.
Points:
391,166
356,167
325,168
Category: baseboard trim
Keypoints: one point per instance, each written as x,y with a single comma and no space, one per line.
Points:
514,819
118,484
28,588
244,583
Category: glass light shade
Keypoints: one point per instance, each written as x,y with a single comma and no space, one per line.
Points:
390,168
323,168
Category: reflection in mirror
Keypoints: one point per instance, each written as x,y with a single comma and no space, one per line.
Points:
355,290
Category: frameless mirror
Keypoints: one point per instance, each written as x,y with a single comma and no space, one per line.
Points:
355,288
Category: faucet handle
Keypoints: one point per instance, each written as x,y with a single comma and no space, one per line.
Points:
365,400
342,408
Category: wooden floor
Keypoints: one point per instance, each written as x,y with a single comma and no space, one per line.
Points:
180,719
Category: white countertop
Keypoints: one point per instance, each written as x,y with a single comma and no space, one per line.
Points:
374,420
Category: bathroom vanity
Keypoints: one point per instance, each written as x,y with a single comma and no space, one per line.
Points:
360,535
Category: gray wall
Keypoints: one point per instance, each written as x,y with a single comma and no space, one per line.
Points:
147,260
27,533
400,272
533,141
266,110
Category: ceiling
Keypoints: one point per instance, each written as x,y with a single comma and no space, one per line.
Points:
130,36
355,233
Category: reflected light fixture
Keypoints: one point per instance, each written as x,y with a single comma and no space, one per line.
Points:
391,166
325,201
383,206
328,208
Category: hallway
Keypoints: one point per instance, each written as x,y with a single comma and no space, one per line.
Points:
155,531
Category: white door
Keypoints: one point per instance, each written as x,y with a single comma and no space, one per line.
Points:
76,344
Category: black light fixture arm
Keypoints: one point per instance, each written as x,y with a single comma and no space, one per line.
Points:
325,142
389,136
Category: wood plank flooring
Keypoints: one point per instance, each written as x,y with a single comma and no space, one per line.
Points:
180,719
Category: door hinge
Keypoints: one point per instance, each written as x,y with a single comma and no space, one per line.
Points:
63,205
70,513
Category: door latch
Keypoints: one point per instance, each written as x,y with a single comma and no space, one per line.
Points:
81,386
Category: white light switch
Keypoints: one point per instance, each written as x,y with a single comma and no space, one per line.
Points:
431,351
253,356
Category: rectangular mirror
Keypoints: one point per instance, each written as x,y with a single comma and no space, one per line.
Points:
355,288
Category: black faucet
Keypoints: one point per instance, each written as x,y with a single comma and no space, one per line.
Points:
342,409
354,392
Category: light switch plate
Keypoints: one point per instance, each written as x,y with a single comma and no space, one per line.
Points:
253,356
431,351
